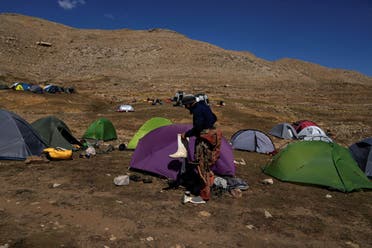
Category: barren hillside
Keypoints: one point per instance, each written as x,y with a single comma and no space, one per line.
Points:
142,56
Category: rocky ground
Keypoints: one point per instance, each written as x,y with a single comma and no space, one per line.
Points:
75,203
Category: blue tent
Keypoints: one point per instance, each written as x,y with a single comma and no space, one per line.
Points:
21,86
18,139
53,89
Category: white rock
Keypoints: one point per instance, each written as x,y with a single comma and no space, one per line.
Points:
250,227
55,185
267,214
149,238
179,246
351,244
204,214
328,196
268,181
121,180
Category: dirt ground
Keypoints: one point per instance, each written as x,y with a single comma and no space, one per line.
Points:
75,203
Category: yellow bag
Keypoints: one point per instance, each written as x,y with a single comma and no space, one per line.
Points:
58,153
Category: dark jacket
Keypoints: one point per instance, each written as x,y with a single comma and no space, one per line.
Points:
203,118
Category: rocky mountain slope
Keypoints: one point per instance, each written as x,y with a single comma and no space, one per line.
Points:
138,56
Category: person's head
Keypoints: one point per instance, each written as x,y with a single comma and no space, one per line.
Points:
188,101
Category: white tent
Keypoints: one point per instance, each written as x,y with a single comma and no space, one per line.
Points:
313,133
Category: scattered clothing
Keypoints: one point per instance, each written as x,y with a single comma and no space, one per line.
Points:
236,183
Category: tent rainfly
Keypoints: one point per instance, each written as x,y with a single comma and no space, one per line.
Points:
147,127
55,132
284,131
153,150
362,154
101,129
301,124
318,163
313,133
252,140
18,139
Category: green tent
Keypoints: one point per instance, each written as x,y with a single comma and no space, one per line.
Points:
55,132
319,163
101,129
147,127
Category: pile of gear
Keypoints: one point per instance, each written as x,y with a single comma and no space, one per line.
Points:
180,95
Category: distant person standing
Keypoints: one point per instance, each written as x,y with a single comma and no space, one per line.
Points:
208,140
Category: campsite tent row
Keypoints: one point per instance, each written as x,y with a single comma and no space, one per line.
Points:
22,86
302,130
309,131
311,162
19,139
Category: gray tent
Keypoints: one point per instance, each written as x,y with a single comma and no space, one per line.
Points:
362,154
284,131
18,139
252,140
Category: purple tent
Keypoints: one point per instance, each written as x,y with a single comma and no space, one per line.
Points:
152,153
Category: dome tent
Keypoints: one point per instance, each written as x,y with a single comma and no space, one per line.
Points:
18,139
301,124
147,127
284,131
362,154
252,140
153,150
55,132
101,129
21,86
313,133
318,163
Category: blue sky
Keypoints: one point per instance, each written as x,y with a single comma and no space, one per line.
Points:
332,33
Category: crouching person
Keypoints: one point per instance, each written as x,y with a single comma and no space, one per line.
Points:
208,141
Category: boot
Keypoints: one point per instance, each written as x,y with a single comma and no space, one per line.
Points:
181,151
